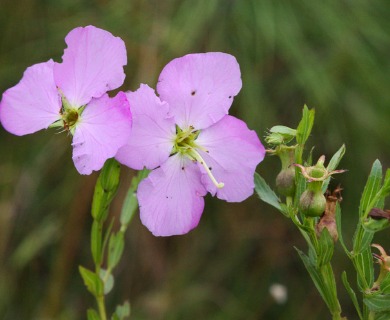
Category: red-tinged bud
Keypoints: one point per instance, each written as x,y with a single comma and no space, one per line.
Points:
285,182
312,203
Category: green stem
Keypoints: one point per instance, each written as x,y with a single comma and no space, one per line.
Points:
102,307
105,190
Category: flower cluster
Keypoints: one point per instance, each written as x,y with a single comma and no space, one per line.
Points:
184,135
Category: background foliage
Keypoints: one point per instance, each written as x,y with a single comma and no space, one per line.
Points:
332,55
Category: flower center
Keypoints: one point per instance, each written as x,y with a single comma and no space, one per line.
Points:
70,115
70,118
184,143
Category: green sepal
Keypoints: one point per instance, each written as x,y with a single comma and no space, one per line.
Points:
109,177
377,302
286,134
351,294
93,283
92,315
267,194
283,130
116,245
122,311
108,280
325,248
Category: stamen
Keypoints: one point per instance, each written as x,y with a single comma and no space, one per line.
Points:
199,158
184,136
201,148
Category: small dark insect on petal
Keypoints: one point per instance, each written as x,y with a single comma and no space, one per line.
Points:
230,97
193,93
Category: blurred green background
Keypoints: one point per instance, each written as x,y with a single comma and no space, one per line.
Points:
332,55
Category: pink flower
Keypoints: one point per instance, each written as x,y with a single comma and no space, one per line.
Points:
72,95
191,143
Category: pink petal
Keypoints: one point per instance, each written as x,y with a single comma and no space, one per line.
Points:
92,65
34,103
104,127
153,131
234,153
199,88
171,197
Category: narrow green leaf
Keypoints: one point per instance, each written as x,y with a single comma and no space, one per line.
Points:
266,194
378,302
385,284
303,132
382,316
333,164
92,315
351,294
130,204
115,249
365,269
335,160
107,235
372,187
315,275
93,283
339,229
305,126
386,184
326,248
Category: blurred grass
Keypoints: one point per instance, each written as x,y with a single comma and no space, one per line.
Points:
331,55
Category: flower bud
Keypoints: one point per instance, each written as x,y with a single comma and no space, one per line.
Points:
285,182
312,203
279,135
